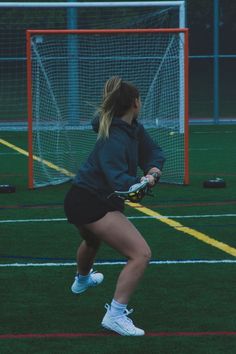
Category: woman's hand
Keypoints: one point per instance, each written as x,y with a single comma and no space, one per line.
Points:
151,180
154,170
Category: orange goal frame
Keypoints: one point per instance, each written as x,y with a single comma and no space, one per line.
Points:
30,32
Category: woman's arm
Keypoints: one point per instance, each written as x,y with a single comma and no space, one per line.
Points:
113,164
151,155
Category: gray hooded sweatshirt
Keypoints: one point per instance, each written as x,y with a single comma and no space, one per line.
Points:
114,161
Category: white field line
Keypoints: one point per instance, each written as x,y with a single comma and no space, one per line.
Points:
129,217
111,263
215,132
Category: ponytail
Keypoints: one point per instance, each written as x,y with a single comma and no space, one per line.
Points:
118,97
111,89
104,125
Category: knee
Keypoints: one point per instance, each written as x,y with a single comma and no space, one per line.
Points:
147,254
144,255
90,239
93,243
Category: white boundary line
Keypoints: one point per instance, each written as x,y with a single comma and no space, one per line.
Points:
129,217
110,263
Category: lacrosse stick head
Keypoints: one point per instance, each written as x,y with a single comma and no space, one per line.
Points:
135,193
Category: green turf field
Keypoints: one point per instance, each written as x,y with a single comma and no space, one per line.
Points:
186,301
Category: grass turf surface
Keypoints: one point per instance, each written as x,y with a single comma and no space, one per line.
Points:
181,298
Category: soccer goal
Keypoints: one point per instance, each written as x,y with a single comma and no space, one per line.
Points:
79,62
17,17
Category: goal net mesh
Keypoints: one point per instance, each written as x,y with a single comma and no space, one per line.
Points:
68,75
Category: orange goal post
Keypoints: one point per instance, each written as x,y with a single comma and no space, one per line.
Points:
66,72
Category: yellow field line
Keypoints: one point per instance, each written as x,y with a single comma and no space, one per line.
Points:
187,230
36,158
172,223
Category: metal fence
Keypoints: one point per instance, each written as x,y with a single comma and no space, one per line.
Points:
212,61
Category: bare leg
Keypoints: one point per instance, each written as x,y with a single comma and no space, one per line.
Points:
116,230
87,251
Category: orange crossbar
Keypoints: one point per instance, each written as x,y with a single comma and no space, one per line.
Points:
111,31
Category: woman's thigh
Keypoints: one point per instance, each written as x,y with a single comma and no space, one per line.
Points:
119,233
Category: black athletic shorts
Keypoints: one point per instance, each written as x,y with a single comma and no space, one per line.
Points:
83,207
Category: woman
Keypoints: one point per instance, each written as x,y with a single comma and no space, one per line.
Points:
122,146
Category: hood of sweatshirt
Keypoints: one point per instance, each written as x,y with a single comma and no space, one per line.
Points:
130,129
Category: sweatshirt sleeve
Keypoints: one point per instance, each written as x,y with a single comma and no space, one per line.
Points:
150,153
113,163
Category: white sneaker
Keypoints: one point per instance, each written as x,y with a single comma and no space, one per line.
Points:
121,324
94,279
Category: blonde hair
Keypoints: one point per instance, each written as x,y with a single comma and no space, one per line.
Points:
118,97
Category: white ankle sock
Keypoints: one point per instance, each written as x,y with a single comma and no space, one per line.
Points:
83,278
117,309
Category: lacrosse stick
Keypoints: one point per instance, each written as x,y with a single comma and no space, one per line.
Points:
137,191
